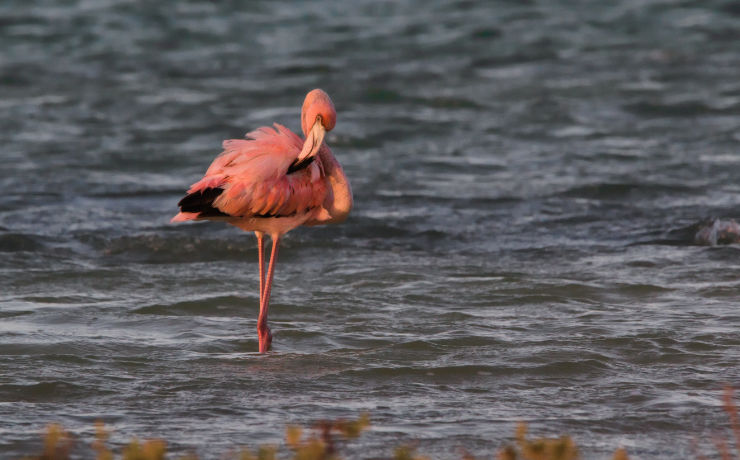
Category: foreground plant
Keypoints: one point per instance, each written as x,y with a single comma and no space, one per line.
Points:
562,448
724,447
323,440
58,443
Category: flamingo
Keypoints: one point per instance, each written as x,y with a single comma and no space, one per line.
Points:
272,182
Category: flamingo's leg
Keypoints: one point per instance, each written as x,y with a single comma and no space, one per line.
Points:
263,331
261,252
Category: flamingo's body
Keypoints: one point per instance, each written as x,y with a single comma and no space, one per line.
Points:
272,182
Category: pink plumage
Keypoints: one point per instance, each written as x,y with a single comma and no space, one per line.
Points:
253,177
272,182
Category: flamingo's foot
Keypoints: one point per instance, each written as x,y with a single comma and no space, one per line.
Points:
265,338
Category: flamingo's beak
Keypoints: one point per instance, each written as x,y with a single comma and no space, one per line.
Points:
313,142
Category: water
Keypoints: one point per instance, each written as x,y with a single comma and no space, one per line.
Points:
509,160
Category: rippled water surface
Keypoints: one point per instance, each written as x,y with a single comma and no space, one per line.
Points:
522,174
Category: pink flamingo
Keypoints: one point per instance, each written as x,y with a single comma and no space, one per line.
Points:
272,182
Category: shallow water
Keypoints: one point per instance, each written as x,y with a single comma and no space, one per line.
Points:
508,161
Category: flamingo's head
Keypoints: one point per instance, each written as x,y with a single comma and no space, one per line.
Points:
317,117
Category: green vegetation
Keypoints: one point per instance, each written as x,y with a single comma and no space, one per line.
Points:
322,442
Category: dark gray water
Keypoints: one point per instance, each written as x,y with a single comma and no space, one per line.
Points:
505,159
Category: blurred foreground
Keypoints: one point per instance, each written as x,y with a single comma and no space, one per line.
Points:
325,438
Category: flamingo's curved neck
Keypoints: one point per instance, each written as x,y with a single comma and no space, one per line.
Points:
339,201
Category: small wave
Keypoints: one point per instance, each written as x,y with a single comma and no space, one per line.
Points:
485,33
381,95
622,190
12,314
679,109
565,368
706,232
440,102
533,54
175,193
473,371
305,68
54,390
210,306
61,299
378,228
17,242
154,248
641,289
432,373
448,342
728,291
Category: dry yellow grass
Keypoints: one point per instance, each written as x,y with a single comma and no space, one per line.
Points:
562,448
323,440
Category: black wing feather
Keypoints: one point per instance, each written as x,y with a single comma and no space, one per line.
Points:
202,202
298,165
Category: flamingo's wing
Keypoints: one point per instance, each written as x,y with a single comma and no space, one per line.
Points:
284,196
250,179
262,152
